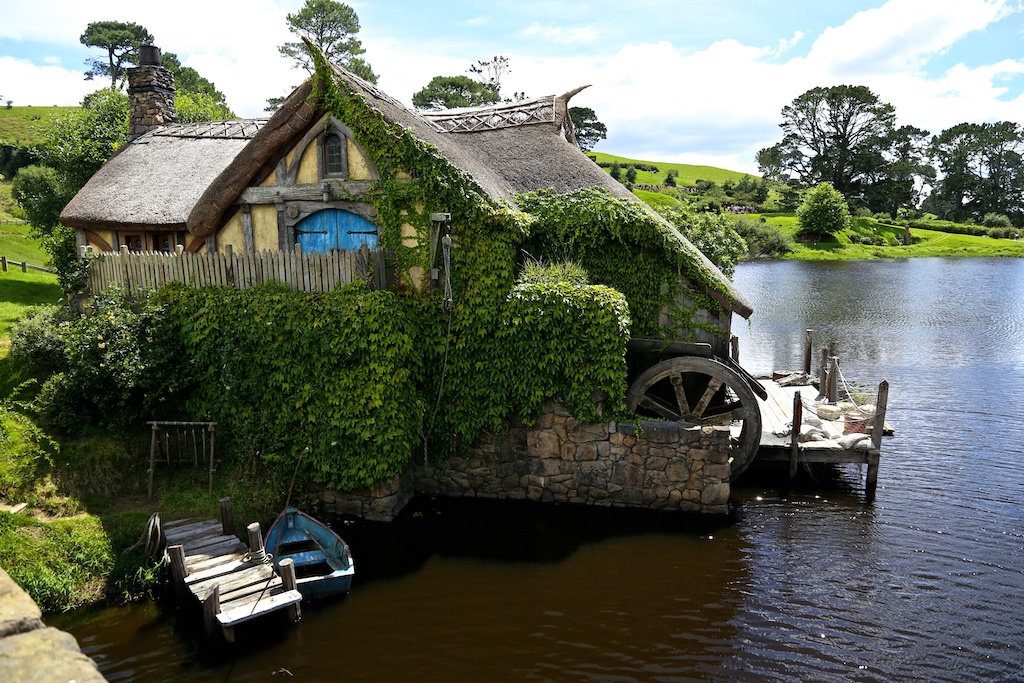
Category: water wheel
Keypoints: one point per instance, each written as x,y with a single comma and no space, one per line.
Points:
701,391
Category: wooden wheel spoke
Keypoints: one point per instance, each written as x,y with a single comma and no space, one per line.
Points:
656,406
677,386
709,393
731,412
705,391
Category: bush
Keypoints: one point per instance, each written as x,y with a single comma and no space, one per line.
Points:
1001,233
763,240
883,216
823,212
891,240
996,220
37,340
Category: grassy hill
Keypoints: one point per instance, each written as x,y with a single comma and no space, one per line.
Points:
688,173
24,126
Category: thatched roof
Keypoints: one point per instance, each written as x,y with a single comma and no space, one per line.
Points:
187,176
156,180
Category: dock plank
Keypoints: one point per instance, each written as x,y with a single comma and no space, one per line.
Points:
245,612
229,582
213,562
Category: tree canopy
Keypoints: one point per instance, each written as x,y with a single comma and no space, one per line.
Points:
121,40
589,131
449,92
196,99
846,136
982,171
332,27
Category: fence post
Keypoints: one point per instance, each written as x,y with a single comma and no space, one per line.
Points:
152,456
3,260
227,517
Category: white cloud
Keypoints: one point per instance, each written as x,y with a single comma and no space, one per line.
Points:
580,34
27,84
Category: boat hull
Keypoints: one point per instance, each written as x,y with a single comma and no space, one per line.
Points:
323,563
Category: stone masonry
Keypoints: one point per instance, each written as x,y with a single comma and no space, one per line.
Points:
151,98
30,651
666,466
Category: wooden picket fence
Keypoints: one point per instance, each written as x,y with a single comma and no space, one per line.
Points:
142,272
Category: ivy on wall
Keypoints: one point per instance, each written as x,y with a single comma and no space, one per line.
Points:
331,377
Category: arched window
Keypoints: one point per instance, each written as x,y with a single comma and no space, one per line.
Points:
334,155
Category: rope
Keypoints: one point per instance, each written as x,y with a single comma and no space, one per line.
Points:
261,556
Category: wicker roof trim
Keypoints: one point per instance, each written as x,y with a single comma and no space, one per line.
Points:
241,129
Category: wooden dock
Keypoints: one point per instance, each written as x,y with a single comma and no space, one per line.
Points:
782,409
233,582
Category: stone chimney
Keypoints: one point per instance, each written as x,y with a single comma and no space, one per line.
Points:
150,93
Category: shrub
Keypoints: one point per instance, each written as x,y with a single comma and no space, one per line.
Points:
763,240
996,220
891,240
883,216
37,340
823,212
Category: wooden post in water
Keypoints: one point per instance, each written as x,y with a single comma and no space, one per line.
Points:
177,555
823,372
833,380
152,457
877,429
287,569
227,517
255,540
211,608
807,351
798,418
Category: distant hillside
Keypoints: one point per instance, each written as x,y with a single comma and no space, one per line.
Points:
24,126
688,174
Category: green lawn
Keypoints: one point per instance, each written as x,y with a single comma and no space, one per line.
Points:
19,290
688,174
926,242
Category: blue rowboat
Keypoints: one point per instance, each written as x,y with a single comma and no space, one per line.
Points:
323,561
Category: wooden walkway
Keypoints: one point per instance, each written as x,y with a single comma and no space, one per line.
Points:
777,443
231,581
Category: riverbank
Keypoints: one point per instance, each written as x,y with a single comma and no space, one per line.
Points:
871,239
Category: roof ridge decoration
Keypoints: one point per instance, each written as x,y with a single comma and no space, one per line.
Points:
238,129
466,120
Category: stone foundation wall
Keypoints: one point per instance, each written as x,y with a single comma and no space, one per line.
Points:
377,505
560,460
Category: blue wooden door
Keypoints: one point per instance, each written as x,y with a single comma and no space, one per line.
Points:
335,229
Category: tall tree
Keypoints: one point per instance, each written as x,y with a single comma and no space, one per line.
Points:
589,131
900,181
837,135
332,27
121,40
982,170
449,92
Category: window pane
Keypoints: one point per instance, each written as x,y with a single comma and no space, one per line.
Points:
334,155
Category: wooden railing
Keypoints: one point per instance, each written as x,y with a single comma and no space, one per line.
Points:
141,272
5,263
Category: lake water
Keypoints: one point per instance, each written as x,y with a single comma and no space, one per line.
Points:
815,584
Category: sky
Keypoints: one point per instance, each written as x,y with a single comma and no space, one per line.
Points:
674,80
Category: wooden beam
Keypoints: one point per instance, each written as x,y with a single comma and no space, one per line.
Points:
340,189
808,340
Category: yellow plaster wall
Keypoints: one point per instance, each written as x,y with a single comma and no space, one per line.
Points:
190,243
231,234
358,165
308,171
264,227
